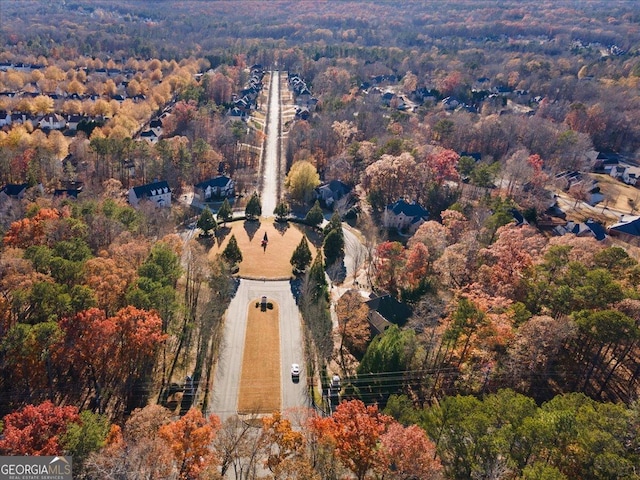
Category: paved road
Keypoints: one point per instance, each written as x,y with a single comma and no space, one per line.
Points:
227,377
271,157
225,387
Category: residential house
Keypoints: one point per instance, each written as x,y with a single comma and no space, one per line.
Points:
590,228
238,113
73,121
403,215
302,113
156,192
150,136
217,187
15,190
330,192
19,117
518,218
626,173
385,310
605,161
5,118
52,121
628,228
387,98
587,185
68,189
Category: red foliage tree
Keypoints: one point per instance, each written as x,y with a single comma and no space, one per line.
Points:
442,165
355,431
409,453
416,266
36,429
389,262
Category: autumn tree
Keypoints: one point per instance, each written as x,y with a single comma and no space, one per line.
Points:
283,443
190,440
301,180
353,324
389,261
30,230
390,178
409,454
355,430
109,281
37,429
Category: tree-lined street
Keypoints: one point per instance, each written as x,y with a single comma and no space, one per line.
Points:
225,387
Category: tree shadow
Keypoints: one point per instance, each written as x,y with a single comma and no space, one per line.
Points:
314,235
221,234
337,272
296,288
281,227
251,227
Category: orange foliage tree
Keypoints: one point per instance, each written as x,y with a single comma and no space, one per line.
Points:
30,231
355,431
190,440
112,353
283,443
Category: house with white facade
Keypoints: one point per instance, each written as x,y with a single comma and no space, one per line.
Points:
627,173
217,187
157,192
403,215
52,121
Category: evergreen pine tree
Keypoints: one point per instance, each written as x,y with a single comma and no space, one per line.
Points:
314,216
225,213
207,222
317,279
301,257
232,253
253,209
281,211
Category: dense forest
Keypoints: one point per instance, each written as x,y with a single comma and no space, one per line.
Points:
519,353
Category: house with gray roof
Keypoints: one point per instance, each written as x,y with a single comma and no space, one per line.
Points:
627,228
156,192
590,228
216,187
404,216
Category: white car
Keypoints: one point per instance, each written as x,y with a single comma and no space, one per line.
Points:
295,370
